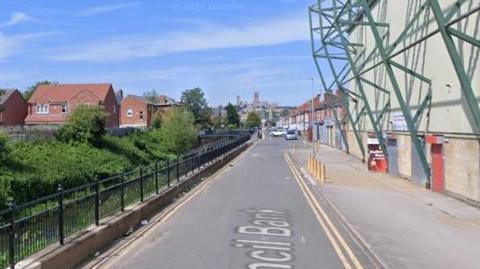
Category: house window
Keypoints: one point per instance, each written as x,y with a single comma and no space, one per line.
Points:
130,113
65,108
42,109
141,115
114,109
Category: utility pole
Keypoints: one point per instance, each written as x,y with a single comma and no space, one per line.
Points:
313,110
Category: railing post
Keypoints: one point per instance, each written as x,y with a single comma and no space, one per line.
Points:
156,177
97,201
11,236
122,190
168,173
178,169
61,234
141,184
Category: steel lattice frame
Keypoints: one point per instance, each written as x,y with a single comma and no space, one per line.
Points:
330,23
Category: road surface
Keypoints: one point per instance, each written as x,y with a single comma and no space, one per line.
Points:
257,213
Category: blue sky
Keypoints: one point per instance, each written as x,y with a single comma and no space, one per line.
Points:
227,47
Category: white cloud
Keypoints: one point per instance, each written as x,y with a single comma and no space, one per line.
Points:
17,18
260,33
7,46
10,45
95,10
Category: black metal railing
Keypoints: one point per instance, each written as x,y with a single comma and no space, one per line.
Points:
28,228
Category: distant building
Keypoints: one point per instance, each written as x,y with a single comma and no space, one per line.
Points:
51,104
14,108
136,111
256,98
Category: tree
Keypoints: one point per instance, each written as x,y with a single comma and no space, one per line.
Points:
30,90
232,115
253,120
4,149
86,124
151,96
194,100
178,130
157,118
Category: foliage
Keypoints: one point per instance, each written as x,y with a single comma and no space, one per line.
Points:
253,120
178,131
4,148
157,119
151,96
29,92
34,169
194,100
86,124
232,115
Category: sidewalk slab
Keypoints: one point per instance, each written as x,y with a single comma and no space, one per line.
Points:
407,225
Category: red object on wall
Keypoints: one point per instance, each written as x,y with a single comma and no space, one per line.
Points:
438,176
376,158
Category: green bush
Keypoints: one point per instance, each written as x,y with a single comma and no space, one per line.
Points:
86,124
178,131
4,148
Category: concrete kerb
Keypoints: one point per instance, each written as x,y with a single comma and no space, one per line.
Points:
84,245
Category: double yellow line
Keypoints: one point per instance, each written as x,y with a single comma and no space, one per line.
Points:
338,243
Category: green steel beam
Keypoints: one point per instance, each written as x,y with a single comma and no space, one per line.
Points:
464,36
359,115
322,79
344,96
353,68
380,88
410,72
426,101
396,88
457,62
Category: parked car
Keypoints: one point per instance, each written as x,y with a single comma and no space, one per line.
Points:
291,135
278,132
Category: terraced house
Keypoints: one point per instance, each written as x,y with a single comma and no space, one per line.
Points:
51,104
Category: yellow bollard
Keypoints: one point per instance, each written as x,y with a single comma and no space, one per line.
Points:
323,174
309,165
319,166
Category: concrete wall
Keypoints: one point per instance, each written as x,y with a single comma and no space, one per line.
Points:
404,145
429,58
352,142
448,114
462,168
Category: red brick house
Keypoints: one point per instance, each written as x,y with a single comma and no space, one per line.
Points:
136,111
51,104
14,108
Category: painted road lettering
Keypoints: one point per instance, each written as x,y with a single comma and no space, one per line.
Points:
270,253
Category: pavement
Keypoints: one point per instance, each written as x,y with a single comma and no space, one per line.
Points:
405,225
265,211
254,214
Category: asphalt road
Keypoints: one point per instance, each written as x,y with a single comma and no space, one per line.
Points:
255,214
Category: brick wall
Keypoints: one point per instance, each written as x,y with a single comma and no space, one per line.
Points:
137,106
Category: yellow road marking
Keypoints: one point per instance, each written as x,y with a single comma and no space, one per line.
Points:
324,220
